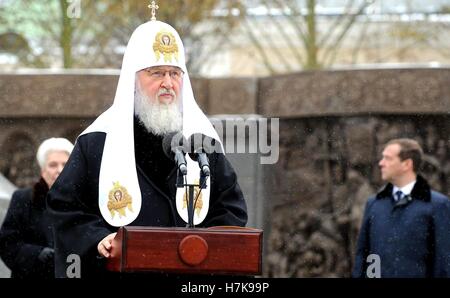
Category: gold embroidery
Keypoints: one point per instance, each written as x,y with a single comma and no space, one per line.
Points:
165,44
119,200
197,205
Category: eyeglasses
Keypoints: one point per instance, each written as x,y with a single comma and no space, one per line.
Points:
159,74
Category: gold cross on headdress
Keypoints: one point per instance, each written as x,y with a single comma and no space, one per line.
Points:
153,6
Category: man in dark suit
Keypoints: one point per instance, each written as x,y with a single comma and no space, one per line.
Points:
406,226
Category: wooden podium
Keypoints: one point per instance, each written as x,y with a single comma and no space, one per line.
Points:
217,250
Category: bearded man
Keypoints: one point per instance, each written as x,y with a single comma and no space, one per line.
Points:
122,151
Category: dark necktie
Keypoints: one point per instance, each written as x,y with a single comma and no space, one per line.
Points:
401,199
398,195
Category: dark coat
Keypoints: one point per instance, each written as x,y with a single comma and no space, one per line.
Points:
411,237
25,232
73,199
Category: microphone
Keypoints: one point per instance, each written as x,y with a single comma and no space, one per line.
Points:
199,145
173,147
203,163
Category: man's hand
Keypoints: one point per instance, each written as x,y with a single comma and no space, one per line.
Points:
104,246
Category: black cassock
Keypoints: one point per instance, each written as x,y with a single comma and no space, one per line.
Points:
73,200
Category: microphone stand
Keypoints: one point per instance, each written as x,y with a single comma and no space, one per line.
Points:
190,193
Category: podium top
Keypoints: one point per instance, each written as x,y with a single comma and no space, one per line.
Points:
217,250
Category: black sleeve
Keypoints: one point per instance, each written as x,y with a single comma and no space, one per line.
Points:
227,204
19,255
73,207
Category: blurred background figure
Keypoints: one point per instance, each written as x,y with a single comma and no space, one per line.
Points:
406,225
26,237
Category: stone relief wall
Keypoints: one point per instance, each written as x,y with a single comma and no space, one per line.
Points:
333,125
20,138
350,92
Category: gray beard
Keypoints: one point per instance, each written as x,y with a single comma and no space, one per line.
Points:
159,119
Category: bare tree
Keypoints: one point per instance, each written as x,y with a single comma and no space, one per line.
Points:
309,48
97,37
411,36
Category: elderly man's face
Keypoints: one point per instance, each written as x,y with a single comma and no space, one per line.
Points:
161,83
54,164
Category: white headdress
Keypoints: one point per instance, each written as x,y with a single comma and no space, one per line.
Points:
152,44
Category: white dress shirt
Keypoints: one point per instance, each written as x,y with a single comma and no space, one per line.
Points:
406,190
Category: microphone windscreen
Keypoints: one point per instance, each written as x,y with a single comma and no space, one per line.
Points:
173,141
202,143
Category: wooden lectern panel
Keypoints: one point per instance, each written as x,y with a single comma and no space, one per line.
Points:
220,250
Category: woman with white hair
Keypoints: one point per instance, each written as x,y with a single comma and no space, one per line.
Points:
26,236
